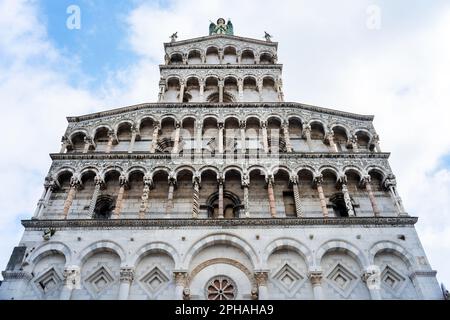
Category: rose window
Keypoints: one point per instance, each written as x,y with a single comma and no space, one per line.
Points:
221,288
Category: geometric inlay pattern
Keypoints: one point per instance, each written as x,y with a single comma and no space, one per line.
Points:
49,281
99,280
287,279
392,280
342,279
154,281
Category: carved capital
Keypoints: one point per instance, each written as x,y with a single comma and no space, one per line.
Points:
72,277
261,278
315,277
318,179
126,274
181,278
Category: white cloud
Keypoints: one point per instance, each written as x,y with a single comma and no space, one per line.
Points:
399,74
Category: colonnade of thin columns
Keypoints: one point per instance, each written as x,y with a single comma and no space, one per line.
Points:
75,184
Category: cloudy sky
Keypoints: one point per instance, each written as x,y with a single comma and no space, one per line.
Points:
386,58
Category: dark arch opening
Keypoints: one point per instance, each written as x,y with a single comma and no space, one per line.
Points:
338,205
104,207
231,205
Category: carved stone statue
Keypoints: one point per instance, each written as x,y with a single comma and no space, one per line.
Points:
267,36
174,37
372,277
221,27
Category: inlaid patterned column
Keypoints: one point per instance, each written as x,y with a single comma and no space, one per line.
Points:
181,91
148,182
74,185
245,186
220,127
98,185
199,139
64,144
112,138
221,85
280,90
287,137
270,182
220,183
242,125
241,89
156,128
123,184
347,199
261,278
316,281
72,280
330,139
176,144
307,135
169,207
318,180
298,203
125,280
202,89
260,89
195,197
391,184
264,136
376,142
373,202
134,134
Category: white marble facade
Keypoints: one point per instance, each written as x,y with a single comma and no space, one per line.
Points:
220,190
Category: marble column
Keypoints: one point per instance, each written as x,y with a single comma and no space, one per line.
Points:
280,90
376,142
181,281
176,144
112,138
307,135
156,128
199,141
354,143
181,91
318,180
391,184
241,89
261,278
162,90
74,185
72,280
169,206
287,138
202,90
125,280
239,57
64,144
148,182
264,136
220,127
273,211
98,185
245,186
242,125
134,134
49,187
373,202
195,197
347,199
88,142
298,203
330,139
221,56
220,182
119,202
221,85
372,278
260,89
316,281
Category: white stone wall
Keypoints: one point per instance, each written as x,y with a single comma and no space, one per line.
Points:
288,254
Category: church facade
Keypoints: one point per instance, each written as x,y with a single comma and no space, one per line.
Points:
221,190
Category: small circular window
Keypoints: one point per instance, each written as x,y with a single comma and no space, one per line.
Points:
221,288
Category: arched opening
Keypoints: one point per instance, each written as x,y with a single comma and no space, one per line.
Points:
232,202
159,194
266,58
166,139
309,196
187,136
232,141
132,202
210,143
146,129
252,130
269,90
247,57
230,89
83,197
176,58
78,143
340,138
123,136
284,196
212,55
363,140
259,202
317,137
194,57
329,185
338,204
250,90
212,89
182,197
295,135
172,90
58,196
209,187
192,92
101,139
275,140
229,55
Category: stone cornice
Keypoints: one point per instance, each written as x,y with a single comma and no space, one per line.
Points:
220,66
251,105
38,225
219,36
147,155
